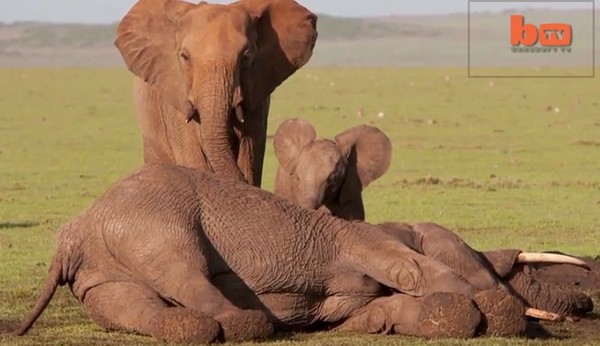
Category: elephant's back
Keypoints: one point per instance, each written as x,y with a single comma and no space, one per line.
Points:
151,186
141,221
285,244
154,203
272,244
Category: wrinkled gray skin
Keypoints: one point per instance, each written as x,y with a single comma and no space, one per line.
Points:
315,172
176,253
214,66
488,269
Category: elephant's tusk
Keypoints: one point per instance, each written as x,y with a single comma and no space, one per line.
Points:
543,315
239,113
189,117
535,257
192,113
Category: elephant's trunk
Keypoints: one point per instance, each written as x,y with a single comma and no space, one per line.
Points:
310,195
542,296
212,95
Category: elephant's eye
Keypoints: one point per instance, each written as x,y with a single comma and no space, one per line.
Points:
331,181
247,56
185,56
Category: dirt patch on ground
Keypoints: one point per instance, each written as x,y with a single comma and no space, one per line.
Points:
581,331
492,184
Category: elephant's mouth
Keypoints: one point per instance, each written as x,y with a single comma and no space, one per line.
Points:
332,192
237,112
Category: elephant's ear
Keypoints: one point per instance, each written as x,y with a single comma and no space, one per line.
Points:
290,138
287,33
369,152
502,261
349,204
146,39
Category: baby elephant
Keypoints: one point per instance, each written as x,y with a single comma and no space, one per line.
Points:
332,173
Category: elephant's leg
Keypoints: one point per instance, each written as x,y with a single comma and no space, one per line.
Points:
199,294
436,315
390,262
503,313
132,307
445,246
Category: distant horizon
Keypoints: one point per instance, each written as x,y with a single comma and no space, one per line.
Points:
111,11
321,14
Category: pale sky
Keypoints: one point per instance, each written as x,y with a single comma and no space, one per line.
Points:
107,11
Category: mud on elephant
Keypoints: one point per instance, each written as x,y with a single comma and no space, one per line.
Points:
315,172
175,253
215,65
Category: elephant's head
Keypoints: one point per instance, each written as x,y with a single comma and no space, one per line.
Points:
216,63
315,172
515,268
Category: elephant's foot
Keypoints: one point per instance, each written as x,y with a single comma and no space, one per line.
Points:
503,313
178,325
244,325
548,297
126,306
448,315
437,315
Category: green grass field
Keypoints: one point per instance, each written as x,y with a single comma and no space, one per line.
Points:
507,163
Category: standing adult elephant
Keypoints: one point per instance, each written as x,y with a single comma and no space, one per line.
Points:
215,65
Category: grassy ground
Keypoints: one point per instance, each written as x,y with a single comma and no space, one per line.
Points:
505,163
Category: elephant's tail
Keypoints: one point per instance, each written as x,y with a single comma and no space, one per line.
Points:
62,270
52,282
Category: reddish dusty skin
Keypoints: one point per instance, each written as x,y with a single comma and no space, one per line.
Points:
129,257
204,75
315,172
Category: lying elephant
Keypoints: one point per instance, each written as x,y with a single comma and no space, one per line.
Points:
320,173
315,172
501,268
176,253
